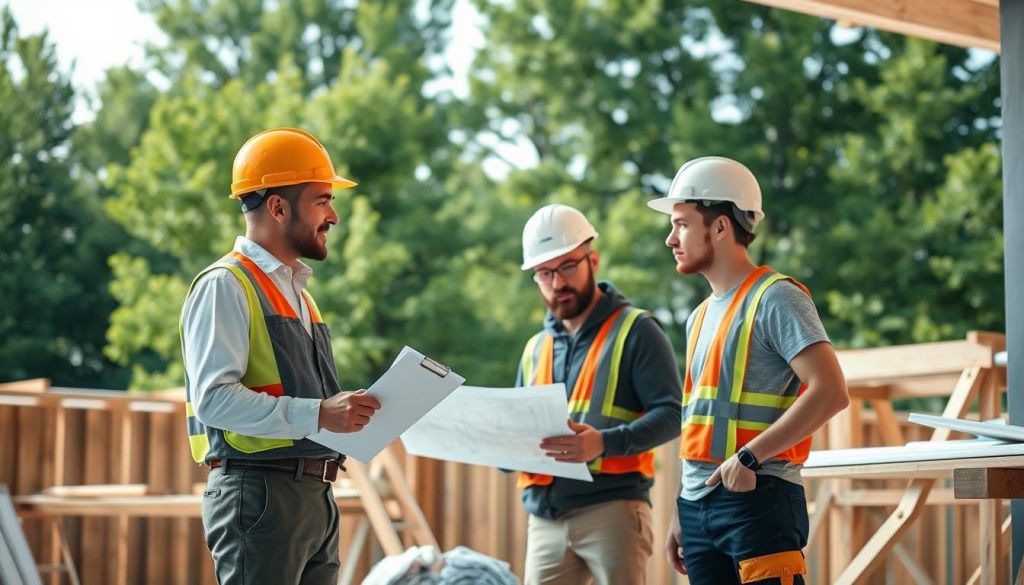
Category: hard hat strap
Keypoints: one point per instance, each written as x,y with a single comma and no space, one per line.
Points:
253,200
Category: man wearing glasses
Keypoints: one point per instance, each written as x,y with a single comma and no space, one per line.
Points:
624,392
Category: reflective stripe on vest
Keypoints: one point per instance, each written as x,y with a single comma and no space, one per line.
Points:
593,396
262,375
719,416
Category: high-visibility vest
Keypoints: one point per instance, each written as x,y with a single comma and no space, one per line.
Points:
719,416
593,398
310,373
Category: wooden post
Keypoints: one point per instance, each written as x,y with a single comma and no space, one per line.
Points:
916,495
843,432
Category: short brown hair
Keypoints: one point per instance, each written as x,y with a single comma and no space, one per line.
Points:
712,212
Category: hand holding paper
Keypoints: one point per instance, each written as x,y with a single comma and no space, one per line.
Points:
347,412
409,389
500,427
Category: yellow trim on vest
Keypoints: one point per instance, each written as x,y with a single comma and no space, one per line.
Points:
579,406
739,371
527,359
705,392
262,371
613,372
190,410
200,446
312,303
772,400
623,414
748,425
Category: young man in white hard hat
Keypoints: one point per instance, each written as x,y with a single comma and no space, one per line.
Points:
623,388
760,378
260,374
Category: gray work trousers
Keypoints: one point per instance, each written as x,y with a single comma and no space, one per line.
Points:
270,527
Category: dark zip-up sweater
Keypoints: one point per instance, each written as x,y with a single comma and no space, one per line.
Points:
648,378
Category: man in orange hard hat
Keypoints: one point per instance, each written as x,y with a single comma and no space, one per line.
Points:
260,374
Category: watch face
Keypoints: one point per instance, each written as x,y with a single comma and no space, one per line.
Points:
746,458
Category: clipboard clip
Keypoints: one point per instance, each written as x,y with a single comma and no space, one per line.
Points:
435,366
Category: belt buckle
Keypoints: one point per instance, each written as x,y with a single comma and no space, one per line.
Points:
323,476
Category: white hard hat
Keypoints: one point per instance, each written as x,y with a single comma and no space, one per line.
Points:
552,231
715,179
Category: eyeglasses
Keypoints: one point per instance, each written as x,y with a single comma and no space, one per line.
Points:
566,271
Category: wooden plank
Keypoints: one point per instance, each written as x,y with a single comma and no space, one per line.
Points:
121,459
96,470
53,456
887,423
411,511
843,431
387,536
891,497
33,386
896,362
988,483
181,483
158,476
453,501
913,503
990,521
956,22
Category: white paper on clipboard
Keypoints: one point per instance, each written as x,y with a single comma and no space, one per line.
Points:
412,386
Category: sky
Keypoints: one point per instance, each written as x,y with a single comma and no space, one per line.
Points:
92,35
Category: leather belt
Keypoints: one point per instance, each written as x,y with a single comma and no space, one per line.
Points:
326,470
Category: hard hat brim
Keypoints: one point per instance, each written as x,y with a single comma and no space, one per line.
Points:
666,204
550,255
338,182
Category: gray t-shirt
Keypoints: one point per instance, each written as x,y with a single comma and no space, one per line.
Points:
785,324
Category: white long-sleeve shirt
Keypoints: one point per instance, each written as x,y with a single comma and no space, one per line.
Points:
215,322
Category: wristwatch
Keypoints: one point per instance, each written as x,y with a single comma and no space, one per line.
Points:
747,459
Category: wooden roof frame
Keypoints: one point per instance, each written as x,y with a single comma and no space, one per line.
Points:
966,23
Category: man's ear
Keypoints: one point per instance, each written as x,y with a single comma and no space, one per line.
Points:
721,227
277,207
595,260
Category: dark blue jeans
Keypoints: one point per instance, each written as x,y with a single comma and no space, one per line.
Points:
748,537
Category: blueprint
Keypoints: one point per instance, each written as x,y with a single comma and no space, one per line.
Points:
498,427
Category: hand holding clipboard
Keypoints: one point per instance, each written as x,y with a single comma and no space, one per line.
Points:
408,390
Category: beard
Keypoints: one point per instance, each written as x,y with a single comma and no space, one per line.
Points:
574,306
698,264
305,244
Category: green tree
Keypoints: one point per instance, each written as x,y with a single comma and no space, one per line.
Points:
390,255
54,238
851,133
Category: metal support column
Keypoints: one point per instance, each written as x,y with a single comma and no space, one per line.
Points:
1011,33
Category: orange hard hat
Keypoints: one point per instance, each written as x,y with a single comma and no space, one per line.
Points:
279,157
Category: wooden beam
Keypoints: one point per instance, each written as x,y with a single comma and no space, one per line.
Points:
957,22
876,365
33,386
988,483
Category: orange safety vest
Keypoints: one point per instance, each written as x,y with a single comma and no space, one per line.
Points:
600,373
719,416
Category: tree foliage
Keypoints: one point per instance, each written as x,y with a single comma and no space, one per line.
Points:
877,155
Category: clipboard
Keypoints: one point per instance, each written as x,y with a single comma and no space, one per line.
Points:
412,386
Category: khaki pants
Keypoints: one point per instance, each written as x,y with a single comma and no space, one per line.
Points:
608,542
